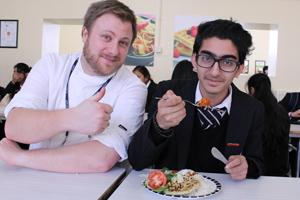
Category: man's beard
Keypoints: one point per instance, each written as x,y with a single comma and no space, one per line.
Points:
93,61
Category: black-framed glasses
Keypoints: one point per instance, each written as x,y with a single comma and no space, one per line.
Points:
225,64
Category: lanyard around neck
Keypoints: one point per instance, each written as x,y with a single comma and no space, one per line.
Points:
67,91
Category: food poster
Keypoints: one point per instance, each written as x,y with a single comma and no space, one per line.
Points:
184,36
259,65
246,67
142,50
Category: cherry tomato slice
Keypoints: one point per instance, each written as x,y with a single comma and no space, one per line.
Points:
157,179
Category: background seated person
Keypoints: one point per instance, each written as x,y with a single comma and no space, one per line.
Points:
266,70
19,76
291,102
79,111
177,135
144,75
276,127
184,70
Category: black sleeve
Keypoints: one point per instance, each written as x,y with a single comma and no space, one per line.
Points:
147,145
10,89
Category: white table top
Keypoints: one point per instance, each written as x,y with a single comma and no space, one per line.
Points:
23,183
264,188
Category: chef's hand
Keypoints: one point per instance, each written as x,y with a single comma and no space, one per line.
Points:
92,117
171,110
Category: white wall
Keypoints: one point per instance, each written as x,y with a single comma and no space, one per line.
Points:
282,12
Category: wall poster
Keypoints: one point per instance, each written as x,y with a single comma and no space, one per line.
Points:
142,50
8,33
184,36
259,65
246,67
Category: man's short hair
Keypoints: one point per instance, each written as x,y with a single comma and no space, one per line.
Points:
115,7
225,29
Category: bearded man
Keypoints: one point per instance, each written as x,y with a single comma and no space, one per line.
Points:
79,111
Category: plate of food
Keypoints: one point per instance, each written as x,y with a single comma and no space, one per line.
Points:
142,50
183,184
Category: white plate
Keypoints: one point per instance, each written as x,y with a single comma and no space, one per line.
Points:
218,188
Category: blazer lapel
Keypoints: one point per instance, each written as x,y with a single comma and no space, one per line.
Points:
237,132
185,129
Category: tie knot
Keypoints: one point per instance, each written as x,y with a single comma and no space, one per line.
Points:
210,117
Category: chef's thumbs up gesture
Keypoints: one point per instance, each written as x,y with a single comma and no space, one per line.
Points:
91,117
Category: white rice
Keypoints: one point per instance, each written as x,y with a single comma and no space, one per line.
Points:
206,187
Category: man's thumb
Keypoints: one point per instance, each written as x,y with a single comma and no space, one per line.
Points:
99,95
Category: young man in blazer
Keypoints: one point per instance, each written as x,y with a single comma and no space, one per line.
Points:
173,135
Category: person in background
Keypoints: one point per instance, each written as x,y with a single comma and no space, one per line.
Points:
183,70
265,70
19,76
291,102
144,75
1,90
276,126
79,111
178,135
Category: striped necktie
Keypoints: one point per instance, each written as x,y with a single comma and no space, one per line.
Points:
210,118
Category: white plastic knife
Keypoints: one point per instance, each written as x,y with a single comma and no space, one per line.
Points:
218,155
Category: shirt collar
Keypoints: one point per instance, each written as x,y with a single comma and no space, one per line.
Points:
225,103
148,83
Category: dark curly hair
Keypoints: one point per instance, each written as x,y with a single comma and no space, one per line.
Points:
225,29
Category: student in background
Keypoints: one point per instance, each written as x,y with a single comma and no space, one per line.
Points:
19,76
266,70
144,75
276,126
183,70
21,71
291,102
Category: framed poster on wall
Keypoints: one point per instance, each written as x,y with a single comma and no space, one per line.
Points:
9,33
246,67
259,65
142,50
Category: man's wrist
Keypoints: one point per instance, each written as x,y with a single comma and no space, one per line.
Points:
290,115
162,132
